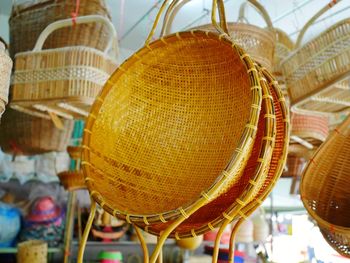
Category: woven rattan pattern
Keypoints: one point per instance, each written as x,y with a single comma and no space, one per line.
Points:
325,187
5,74
242,190
318,64
179,113
27,21
21,133
339,240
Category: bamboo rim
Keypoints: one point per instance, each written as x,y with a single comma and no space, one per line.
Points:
245,143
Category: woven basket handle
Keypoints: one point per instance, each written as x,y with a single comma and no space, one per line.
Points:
259,8
178,4
313,19
79,20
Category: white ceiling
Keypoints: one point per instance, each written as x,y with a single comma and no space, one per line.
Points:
289,15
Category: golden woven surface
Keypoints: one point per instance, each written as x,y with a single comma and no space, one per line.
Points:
311,128
28,20
325,190
312,70
170,125
5,75
21,133
243,190
72,180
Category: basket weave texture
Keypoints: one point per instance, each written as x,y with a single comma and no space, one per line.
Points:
325,188
28,20
21,133
32,251
170,118
62,80
312,70
212,214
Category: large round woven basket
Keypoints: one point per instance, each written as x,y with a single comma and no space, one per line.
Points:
325,189
258,42
174,126
5,74
21,133
244,190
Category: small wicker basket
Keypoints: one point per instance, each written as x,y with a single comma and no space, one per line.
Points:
32,251
63,80
21,133
29,19
325,189
314,71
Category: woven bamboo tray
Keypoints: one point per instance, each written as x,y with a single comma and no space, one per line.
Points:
258,42
243,190
62,80
172,127
21,133
312,129
5,74
325,189
28,20
314,71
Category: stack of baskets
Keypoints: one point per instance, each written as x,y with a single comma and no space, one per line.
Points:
314,71
180,140
81,44
5,73
325,188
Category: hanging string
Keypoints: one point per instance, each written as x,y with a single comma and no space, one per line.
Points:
75,13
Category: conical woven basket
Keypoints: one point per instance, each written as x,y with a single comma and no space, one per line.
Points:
325,189
21,133
173,127
258,42
243,190
5,74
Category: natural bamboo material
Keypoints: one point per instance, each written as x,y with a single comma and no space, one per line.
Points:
62,80
314,72
325,189
310,128
259,43
21,133
74,178
5,74
29,19
243,190
32,251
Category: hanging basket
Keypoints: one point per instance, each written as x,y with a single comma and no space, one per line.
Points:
258,42
5,74
314,72
63,80
28,20
21,133
325,189
310,128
